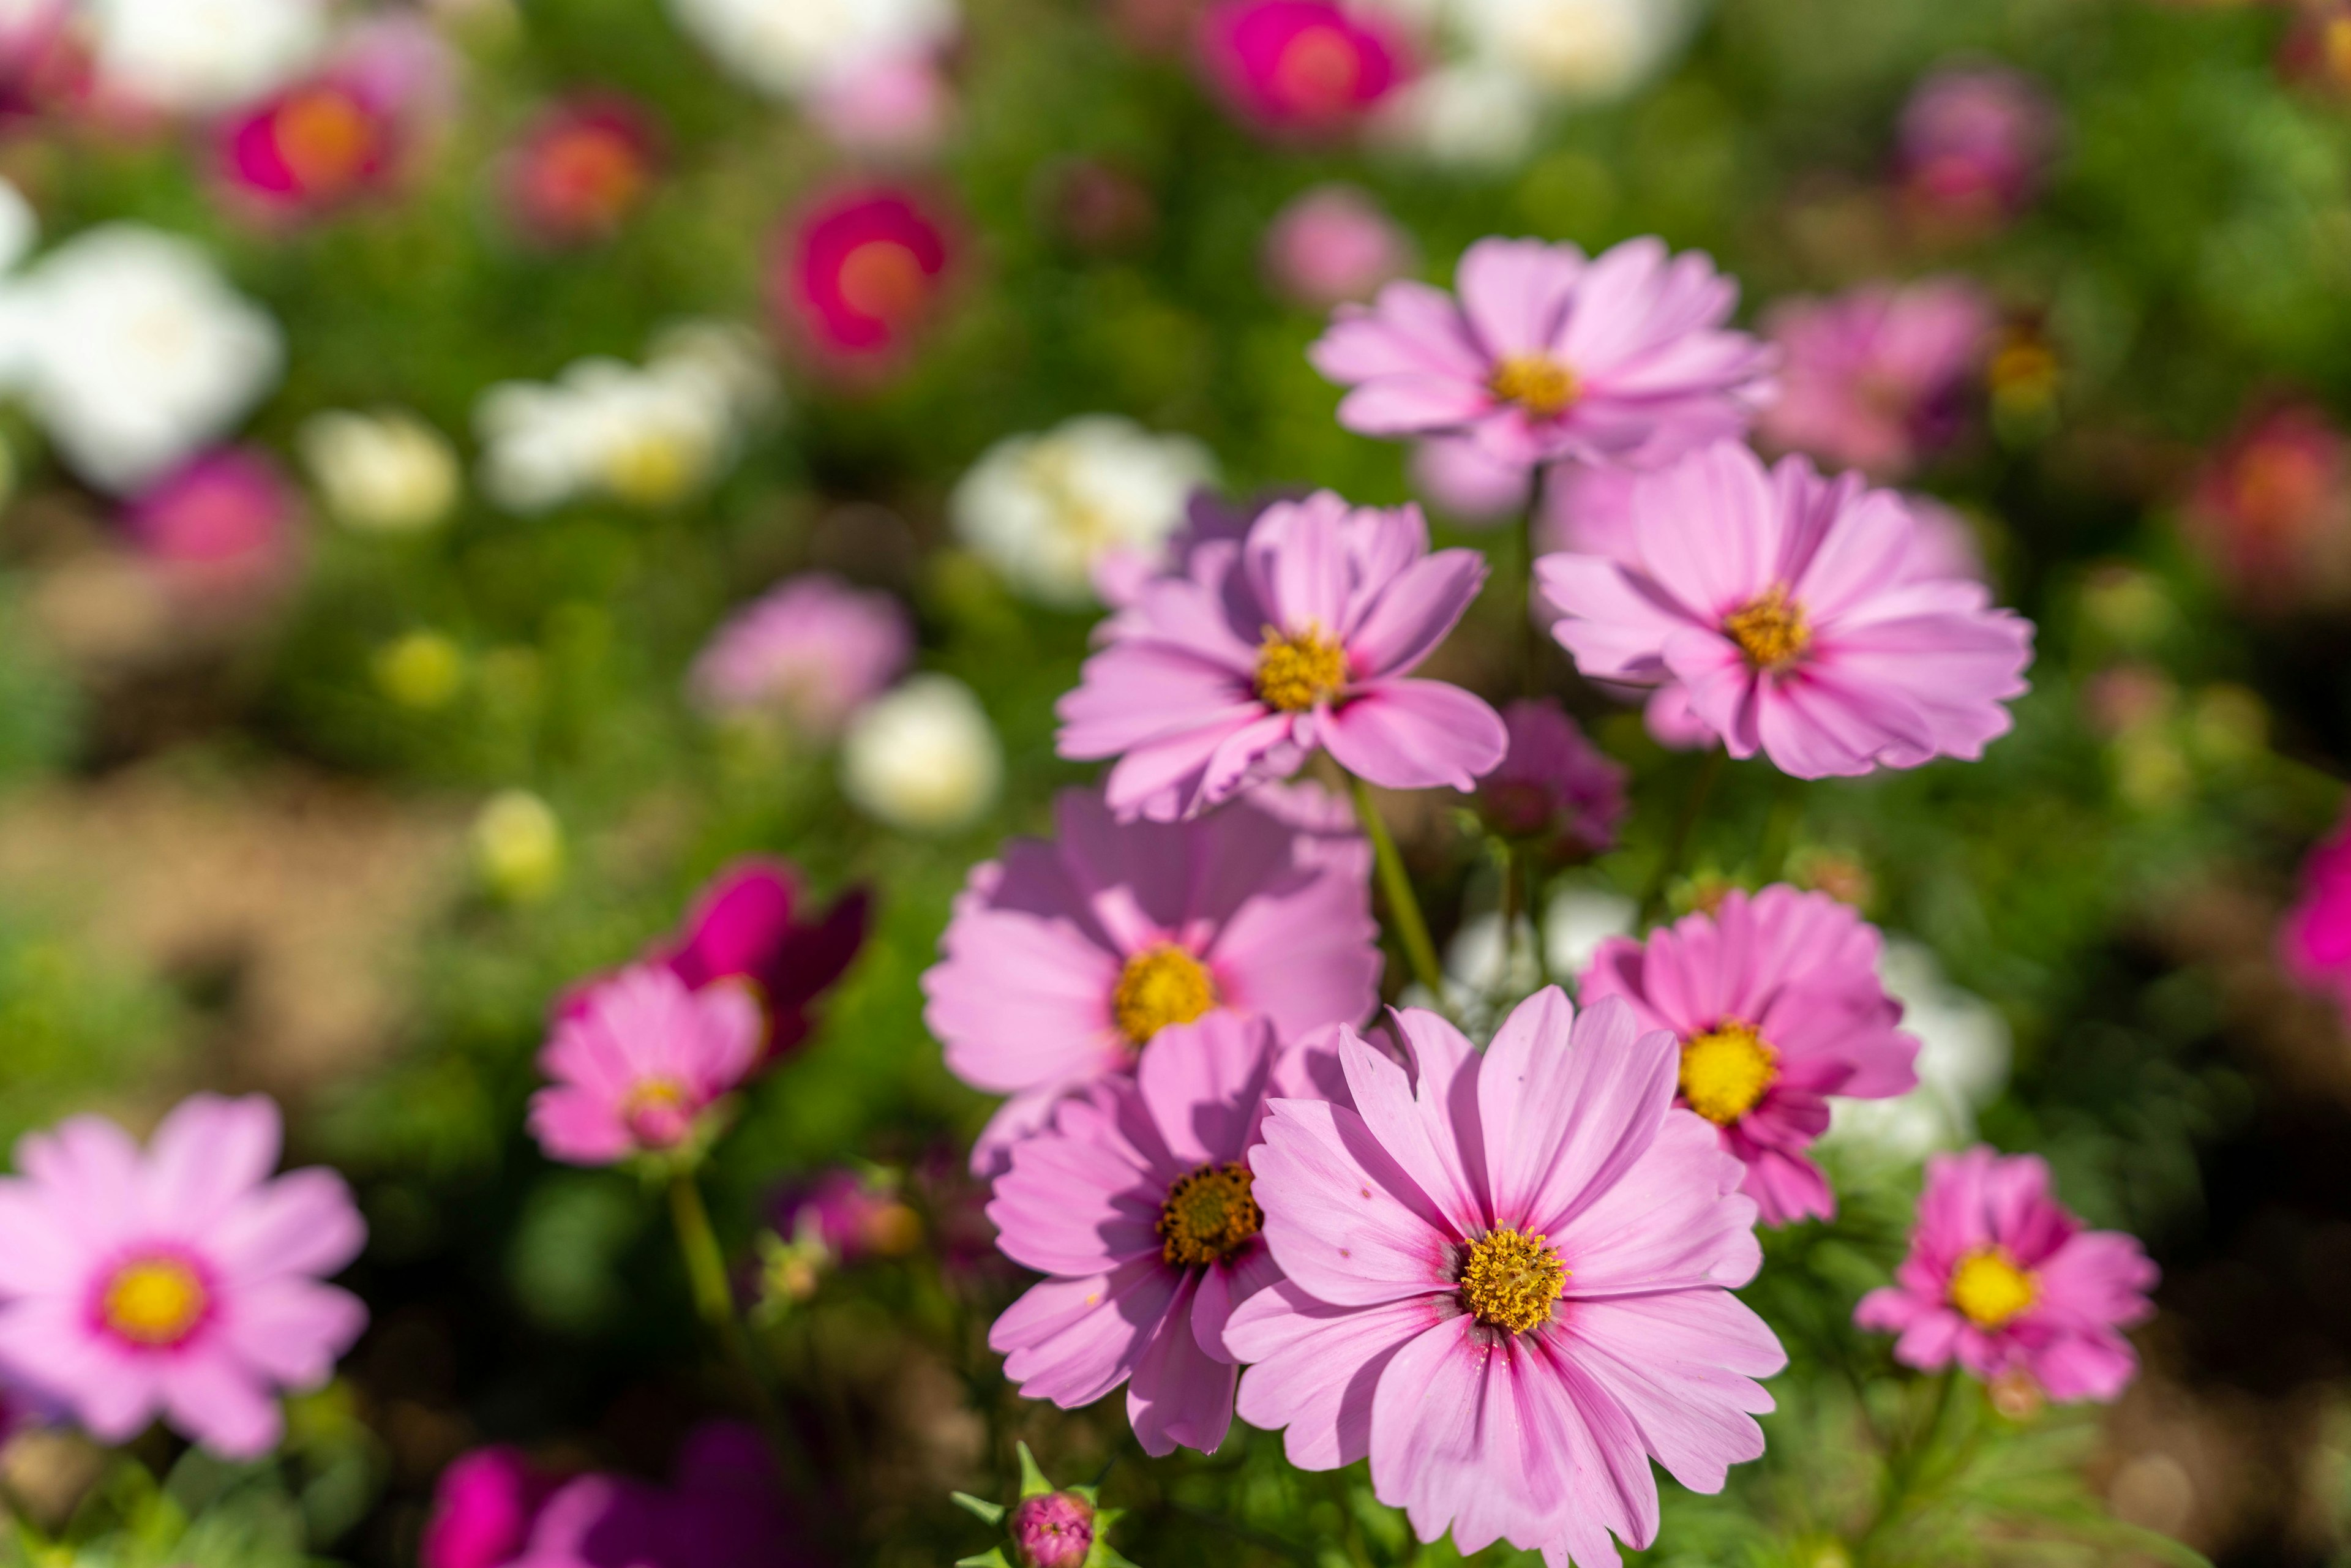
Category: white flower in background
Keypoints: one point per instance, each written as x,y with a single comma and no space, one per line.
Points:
1047,510
198,57
382,473
647,437
923,759
1468,115
795,48
1582,51
1964,1046
19,227
132,353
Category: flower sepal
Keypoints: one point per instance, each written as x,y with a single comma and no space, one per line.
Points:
1046,1526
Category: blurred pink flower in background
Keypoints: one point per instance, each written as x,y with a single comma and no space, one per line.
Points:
637,1064
898,106
1063,960
2271,509
182,1280
811,649
1334,243
41,59
1465,482
348,129
1777,1005
2003,1280
1555,793
855,1215
1974,144
1135,1205
484,1506
2314,940
1879,378
1623,358
856,276
1302,68
227,522
581,169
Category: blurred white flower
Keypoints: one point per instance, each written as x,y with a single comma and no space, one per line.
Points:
1582,51
19,227
198,57
924,758
647,437
1470,115
132,353
1580,918
1964,1046
386,472
796,48
1047,510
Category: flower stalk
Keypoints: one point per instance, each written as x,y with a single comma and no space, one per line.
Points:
1652,898
713,1299
1396,884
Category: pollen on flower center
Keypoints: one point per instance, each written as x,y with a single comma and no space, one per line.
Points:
1294,674
1990,1290
1208,1214
1725,1071
1511,1281
655,1113
325,137
1536,382
1160,986
1769,631
154,1301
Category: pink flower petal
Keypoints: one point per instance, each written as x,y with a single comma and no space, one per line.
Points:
1564,1123
1178,1394
1417,735
1341,1218
1312,1367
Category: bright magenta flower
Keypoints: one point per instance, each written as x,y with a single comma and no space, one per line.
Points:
638,1062
2003,1280
1508,1283
2315,938
180,1281
1301,68
344,131
1298,639
581,169
857,276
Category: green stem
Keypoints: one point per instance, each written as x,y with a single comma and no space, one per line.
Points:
1403,906
1538,920
714,1298
1902,1467
1652,901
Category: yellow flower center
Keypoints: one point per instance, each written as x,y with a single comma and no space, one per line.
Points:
1536,382
1294,674
1160,986
655,469
325,138
1769,631
655,1113
1207,1215
154,1301
1990,1290
1510,1281
1726,1071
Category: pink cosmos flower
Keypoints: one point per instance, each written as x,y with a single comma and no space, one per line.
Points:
1556,792
1623,358
1135,1202
2315,938
1508,1283
482,1510
812,648
2270,507
1785,604
725,1510
344,131
1466,483
1299,638
853,1214
856,276
639,1063
1119,575
1334,243
581,169
1973,144
1301,68
2002,1278
897,106
1776,1004
227,522
182,1281
1064,959
1878,378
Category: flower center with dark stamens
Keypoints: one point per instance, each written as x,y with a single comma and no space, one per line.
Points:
1294,674
1990,1290
154,1301
1160,986
1725,1072
1536,382
1769,631
1207,1216
1511,1281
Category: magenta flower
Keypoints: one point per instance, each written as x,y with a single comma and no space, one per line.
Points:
2270,509
1785,604
182,1281
227,522
2314,939
1064,959
1301,68
482,1510
853,1214
1136,1203
1301,638
1879,378
725,1510
811,649
1556,792
1776,1003
638,1063
344,132
1623,358
2003,1279
1508,1283
1973,144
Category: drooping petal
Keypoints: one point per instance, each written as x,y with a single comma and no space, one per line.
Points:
1179,1395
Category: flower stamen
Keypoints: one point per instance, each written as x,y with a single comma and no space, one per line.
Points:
1725,1071
1770,629
154,1301
1208,1215
1511,1281
1160,986
1537,384
1990,1290
1294,674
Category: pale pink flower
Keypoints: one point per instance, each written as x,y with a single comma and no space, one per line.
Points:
1776,1004
897,106
1556,794
1623,358
1135,1203
1879,378
1509,1284
1466,483
181,1282
1299,638
811,648
2003,1280
1064,959
638,1062
1334,243
1785,604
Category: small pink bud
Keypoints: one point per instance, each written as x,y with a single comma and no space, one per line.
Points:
1055,1529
